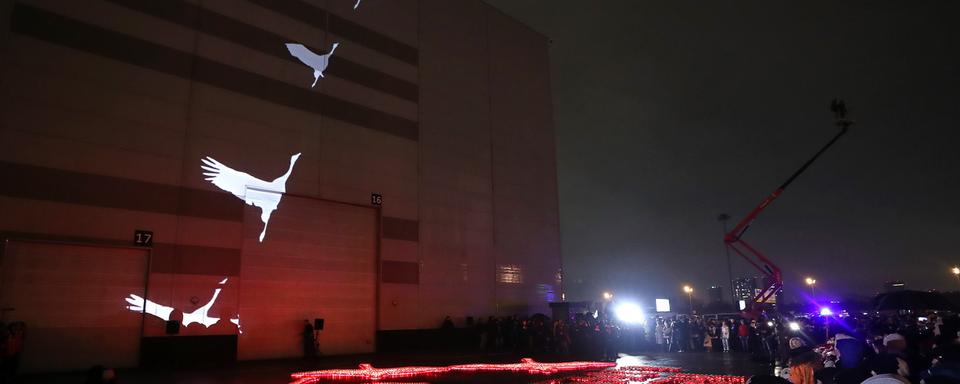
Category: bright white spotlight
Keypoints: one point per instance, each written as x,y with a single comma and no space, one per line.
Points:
629,313
826,311
794,326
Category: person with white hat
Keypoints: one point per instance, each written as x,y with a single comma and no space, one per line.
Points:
896,346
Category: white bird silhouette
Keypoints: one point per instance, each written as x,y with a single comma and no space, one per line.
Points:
312,60
139,304
251,190
356,5
199,315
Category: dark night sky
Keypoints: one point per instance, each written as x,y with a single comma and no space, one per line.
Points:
671,112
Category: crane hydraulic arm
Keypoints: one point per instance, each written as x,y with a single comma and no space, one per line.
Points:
734,238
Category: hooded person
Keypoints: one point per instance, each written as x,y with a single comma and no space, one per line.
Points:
850,351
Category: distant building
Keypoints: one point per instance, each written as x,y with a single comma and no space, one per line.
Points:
745,288
715,293
895,285
763,282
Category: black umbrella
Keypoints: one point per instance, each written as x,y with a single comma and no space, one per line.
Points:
911,300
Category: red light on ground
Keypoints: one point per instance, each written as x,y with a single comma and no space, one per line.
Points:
593,372
366,372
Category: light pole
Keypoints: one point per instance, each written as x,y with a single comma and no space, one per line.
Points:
723,217
956,272
689,290
811,282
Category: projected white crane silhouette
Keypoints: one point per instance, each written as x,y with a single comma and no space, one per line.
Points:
317,62
251,190
199,315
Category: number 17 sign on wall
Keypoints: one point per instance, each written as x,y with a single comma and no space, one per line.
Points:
143,238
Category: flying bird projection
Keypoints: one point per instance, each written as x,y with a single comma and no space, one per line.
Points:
312,60
253,191
199,315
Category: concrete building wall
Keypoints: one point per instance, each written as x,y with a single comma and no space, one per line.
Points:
108,106
525,200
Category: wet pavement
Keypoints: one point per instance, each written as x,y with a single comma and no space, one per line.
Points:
278,371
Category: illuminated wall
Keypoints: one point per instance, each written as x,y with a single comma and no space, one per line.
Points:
109,107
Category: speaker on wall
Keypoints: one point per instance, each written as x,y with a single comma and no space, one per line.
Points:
173,327
317,324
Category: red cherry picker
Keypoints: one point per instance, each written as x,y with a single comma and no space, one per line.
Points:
734,239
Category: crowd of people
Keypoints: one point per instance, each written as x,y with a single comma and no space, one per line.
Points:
584,336
869,348
877,349
694,333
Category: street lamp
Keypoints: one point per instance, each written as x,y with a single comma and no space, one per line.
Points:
689,290
607,296
956,272
811,282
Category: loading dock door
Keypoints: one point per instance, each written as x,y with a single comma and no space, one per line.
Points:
72,300
318,260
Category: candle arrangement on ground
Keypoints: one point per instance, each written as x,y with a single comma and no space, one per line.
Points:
556,373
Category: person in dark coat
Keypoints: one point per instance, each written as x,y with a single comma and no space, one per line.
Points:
852,351
309,341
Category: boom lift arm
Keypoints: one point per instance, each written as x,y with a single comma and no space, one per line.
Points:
734,238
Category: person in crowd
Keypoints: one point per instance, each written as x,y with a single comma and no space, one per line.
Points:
725,335
767,339
482,333
493,333
658,335
743,333
712,340
945,368
668,334
683,333
676,344
804,363
447,323
850,350
696,334
309,340
884,367
896,345
562,337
